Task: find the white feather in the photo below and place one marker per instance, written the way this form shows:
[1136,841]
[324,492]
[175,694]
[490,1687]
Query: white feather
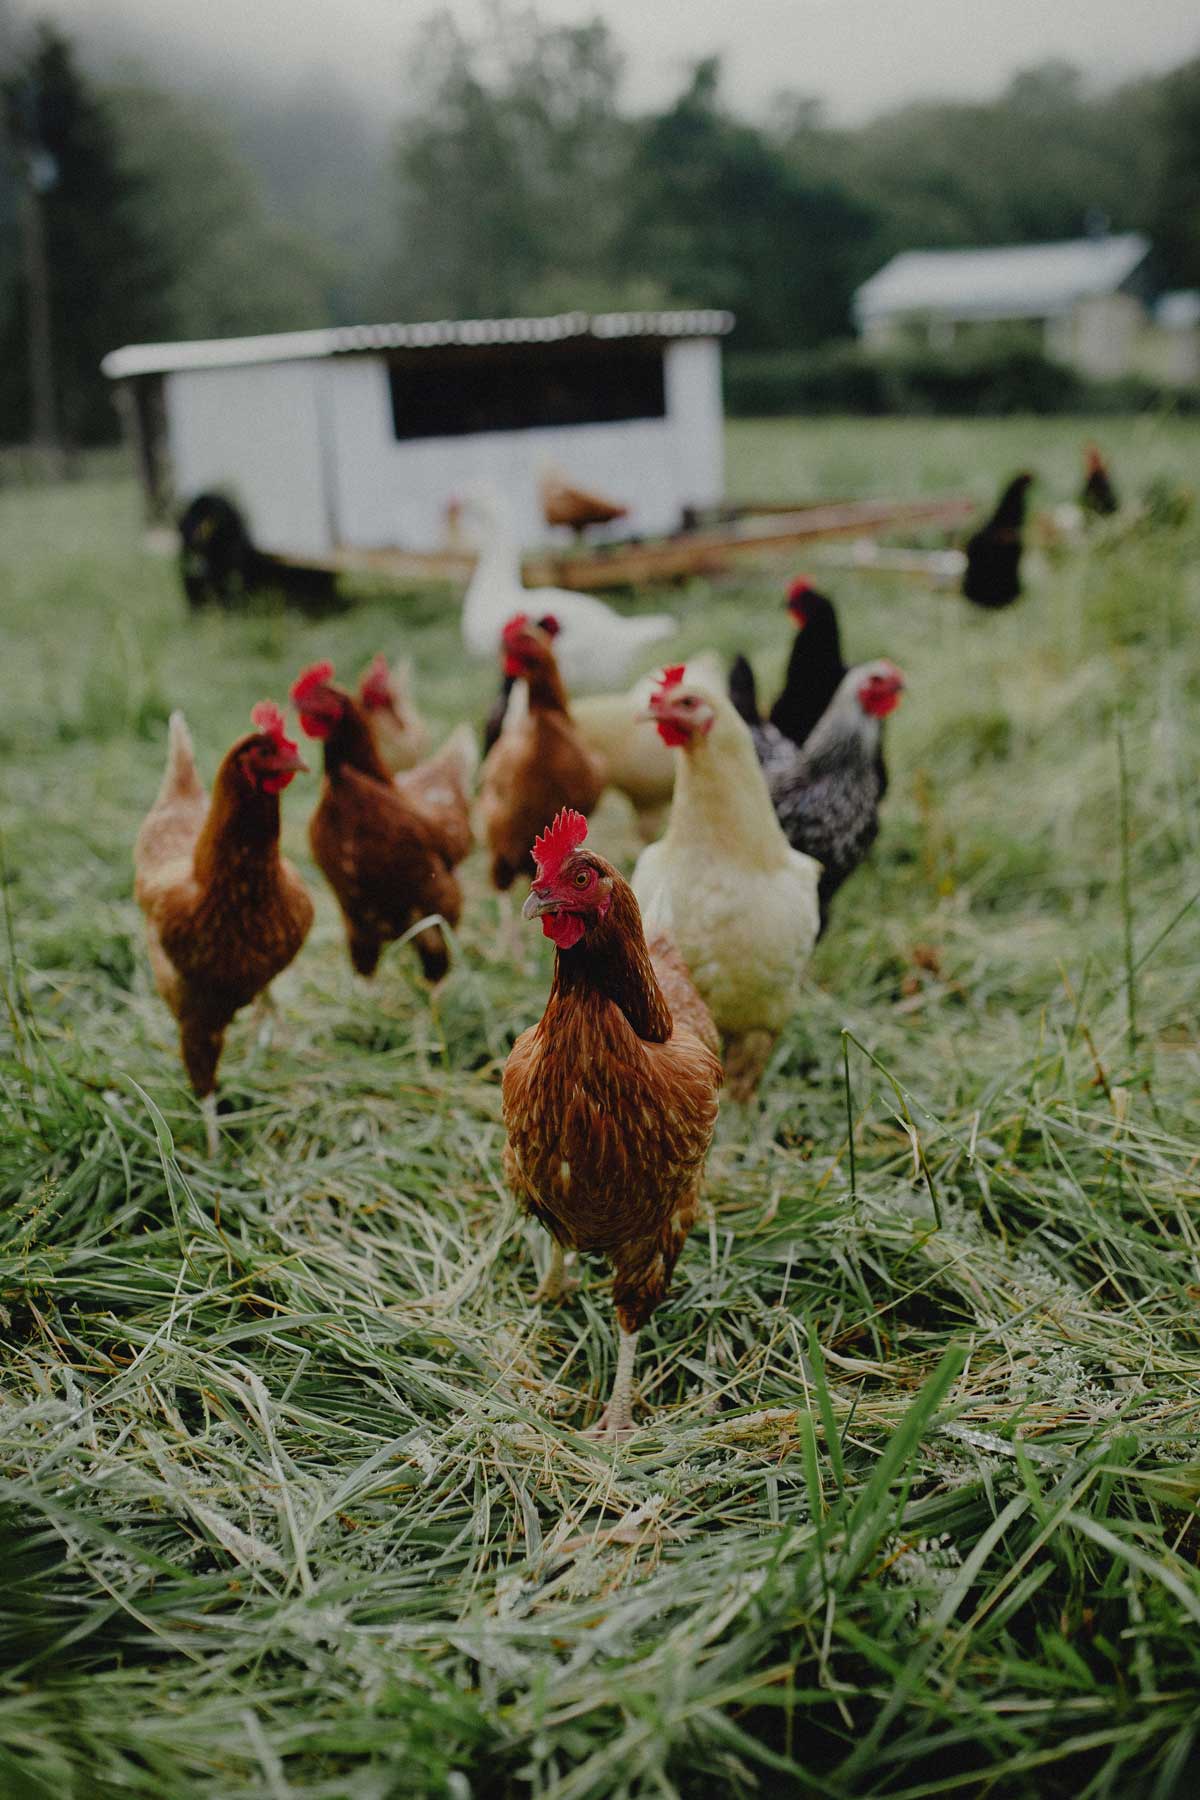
[596,647]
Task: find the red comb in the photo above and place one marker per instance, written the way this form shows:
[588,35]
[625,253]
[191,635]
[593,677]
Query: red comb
[672,675]
[549,624]
[556,843]
[801,586]
[319,675]
[515,627]
[267,716]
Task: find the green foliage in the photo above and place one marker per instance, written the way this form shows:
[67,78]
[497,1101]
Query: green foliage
[990,376]
[292,1496]
[510,183]
[107,273]
[231,268]
[1177,197]
[1026,167]
[720,216]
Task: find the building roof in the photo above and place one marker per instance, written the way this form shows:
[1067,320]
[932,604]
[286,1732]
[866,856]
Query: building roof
[1022,281]
[344,340]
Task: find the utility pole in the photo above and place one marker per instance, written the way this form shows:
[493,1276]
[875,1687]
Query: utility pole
[39,176]
[38,180]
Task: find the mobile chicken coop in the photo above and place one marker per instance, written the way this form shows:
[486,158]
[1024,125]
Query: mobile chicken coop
[346,448]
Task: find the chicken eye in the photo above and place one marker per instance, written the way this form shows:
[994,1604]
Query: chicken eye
[581,878]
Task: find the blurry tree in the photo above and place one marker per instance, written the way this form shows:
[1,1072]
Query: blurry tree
[319,166]
[1176,221]
[1027,167]
[722,215]
[106,274]
[510,169]
[227,268]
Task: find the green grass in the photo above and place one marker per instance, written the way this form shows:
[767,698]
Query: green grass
[293,1500]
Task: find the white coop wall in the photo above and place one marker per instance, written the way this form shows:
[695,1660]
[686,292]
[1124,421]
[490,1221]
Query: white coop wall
[256,434]
[390,493]
[695,412]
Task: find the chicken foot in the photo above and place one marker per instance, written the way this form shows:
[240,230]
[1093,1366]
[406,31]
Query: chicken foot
[560,1278]
[616,1421]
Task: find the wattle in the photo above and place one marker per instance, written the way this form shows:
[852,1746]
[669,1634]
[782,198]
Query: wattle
[671,735]
[563,928]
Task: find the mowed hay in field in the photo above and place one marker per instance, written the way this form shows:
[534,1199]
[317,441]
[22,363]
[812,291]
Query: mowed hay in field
[294,1500]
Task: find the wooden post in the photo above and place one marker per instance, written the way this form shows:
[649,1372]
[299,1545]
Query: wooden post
[44,418]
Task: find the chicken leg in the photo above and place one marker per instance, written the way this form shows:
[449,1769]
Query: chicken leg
[747,1054]
[208,1112]
[616,1421]
[560,1278]
[266,1017]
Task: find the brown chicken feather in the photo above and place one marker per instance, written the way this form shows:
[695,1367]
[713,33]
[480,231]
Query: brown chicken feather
[537,765]
[225,912]
[565,504]
[610,1101]
[388,861]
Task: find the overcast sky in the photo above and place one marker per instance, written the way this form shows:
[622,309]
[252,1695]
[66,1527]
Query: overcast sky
[858,55]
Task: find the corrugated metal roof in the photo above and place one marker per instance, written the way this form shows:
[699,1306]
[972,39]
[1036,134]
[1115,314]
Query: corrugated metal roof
[1022,281]
[345,340]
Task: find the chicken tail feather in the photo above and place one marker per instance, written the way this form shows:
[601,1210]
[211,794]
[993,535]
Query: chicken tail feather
[180,775]
[743,691]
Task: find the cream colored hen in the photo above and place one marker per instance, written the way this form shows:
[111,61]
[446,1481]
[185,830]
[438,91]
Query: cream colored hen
[740,903]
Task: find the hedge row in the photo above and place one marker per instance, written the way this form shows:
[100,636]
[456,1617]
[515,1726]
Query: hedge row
[843,378]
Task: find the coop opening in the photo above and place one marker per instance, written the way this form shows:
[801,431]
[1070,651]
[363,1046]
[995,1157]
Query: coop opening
[454,393]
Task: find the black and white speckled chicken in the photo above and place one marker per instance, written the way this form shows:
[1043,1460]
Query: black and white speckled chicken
[826,794]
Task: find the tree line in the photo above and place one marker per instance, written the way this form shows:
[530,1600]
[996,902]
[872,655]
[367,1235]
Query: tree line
[516,181]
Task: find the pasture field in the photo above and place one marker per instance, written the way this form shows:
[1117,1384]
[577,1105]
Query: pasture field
[293,1497]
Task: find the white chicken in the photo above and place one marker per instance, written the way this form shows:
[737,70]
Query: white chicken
[740,903]
[596,647]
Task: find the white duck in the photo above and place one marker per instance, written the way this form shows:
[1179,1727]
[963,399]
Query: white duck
[596,647]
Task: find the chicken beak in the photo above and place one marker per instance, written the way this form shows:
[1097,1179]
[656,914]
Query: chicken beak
[535,905]
[291,763]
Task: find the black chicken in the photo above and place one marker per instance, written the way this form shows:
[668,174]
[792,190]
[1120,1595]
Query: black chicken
[993,573]
[814,673]
[1098,496]
[826,795]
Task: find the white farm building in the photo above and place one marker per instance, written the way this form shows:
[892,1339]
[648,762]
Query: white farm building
[1085,298]
[358,439]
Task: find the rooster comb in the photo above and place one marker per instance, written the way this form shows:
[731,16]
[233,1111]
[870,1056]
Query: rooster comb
[671,676]
[318,675]
[552,848]
[269,720]
[801,586]
[515,627]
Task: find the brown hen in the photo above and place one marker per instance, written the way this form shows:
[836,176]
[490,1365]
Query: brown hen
[538,764]
[387,848]
[225,913]
[611,1100]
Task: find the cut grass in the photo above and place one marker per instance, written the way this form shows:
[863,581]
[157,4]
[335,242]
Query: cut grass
[294,1501]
